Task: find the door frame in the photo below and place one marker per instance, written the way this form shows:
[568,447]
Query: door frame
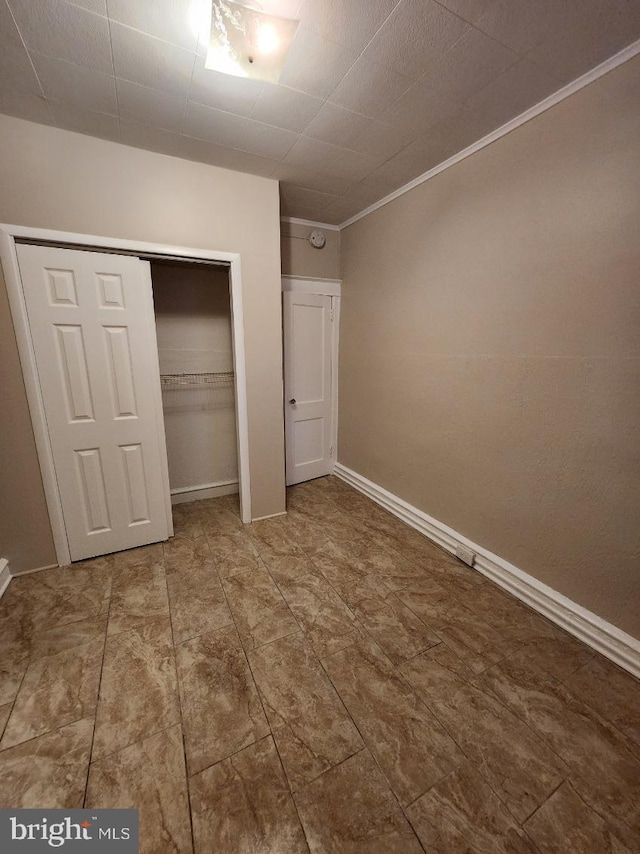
[331,288]
[9,260]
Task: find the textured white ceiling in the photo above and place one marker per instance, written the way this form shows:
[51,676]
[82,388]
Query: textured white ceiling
[374,92]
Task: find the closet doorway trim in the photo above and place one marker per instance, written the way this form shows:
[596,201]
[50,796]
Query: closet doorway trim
[9,260]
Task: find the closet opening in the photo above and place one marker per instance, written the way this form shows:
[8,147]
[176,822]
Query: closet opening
[194,330]
[88,349]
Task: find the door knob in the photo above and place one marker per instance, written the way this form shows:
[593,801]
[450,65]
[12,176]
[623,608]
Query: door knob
[293,400]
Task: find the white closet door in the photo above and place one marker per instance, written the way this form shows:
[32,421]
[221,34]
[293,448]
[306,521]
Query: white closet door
[91,320]
[308,386]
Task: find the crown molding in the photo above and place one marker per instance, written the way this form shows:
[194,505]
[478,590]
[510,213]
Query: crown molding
[571,88]
[293,221]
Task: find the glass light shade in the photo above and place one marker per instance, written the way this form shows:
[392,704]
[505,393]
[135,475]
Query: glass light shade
[247,42]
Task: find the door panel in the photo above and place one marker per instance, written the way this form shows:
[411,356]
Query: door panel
[120,370]
[94,490]
[91,322]
[308,381]
[72,364]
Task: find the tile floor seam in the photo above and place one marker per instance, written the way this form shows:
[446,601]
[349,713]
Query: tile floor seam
[78,688]
[181,724]
[131,743]
[342,703]
[573,769]
[422,794]
[240,571]
[259,693]
[336,693]
[199,635]
[341,700]
[548,798]
[275,640]
[4,726]
[599,808]
[520,718]
[570,675]
[516,714]
[346,710]
[453,739]
[393,594]
[284,599]
[95,711]
[394,794]
[333,767]
[135,625]
[104,758]
[499,796]
[230,755]
[524,723]
[631,746]
[37,657]
[337,592]
[291,792]
[313,652]
[539,737]
[439,634]
[187,788]
[43,734]
[246,658]
[433,711]
[364,749]
[13,703]
[455,771]
[366,741]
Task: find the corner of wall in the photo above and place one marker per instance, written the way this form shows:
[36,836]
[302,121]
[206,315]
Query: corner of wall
[5,575]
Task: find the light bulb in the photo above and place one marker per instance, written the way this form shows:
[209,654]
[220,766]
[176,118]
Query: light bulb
[268,39]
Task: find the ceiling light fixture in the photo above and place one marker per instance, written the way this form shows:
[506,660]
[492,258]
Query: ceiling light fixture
[247,42]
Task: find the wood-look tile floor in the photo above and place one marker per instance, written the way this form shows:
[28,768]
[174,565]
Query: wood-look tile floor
[326,681]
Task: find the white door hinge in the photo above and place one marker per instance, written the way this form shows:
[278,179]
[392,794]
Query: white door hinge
[330,450]
[333,314]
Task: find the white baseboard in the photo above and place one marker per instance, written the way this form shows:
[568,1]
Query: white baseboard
[272,516]
[31,571]
[597,633]
[204,490]
[5,575]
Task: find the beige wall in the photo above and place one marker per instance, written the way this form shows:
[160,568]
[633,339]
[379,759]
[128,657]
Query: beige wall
[25,534]
[299,258]
[490,347]
[60,180]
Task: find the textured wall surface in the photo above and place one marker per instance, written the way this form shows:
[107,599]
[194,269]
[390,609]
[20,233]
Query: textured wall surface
[299,258]
[25,534]
[490,347]
[60,180]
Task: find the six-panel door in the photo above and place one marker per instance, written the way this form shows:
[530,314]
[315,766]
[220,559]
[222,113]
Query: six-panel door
[91,321]
[308,386]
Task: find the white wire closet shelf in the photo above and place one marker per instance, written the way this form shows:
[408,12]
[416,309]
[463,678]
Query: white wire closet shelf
[202,378]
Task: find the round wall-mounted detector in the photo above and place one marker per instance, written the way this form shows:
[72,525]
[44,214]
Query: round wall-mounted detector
[317,239]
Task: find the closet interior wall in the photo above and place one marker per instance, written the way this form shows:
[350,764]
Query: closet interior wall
[194,331]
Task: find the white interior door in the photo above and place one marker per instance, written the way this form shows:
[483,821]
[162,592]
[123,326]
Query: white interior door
[93,334]
[308,385]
